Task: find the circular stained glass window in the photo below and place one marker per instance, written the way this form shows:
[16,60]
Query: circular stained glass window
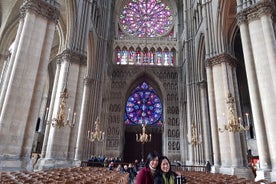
[143,106]
[146,18]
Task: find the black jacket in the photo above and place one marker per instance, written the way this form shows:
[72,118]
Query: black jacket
[158,177]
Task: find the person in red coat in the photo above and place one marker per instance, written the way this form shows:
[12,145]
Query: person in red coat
[146,174]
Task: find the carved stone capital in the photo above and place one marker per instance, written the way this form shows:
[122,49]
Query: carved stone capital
[88,81]
[45,8]
[72,56]
[218,59]
[256,11]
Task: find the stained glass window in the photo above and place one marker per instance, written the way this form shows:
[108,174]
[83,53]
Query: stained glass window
[131,55]
[124,57]
[138,56]
[146,18]
[118,56]
[143,105]
[159,57]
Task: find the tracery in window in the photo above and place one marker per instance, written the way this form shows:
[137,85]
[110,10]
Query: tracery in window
[143,105]
[146,18]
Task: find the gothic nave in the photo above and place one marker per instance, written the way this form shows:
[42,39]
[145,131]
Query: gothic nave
[192,79]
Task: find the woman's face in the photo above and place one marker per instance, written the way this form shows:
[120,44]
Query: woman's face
[154,162]
[165,166]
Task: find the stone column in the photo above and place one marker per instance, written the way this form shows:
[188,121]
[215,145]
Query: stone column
[220,105]
[191,150]
[254,88]
[213,116]
[82,131]
[269,38]
[205,123]
[59,147]
[220,70]
[58,135]
[6,80]
[228,66]
[50,111]
[263,72]
[19,112]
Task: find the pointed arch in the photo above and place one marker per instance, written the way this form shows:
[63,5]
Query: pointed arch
[226,15]
[201,59]
[71,21]
[91,52]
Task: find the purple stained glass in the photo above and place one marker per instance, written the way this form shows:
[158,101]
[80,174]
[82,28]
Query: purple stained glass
[143,105]
[146,18]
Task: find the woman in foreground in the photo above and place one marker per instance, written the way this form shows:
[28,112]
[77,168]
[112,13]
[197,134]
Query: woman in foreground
[146,175]
[164,173]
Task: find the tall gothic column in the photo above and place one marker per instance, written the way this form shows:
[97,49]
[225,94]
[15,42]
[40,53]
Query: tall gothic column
[263,65]
[229,142]
[59,143]
[5,80]
[50,110]
[205,123]
[258,42]
[83,119]
[213,116]
[29,59]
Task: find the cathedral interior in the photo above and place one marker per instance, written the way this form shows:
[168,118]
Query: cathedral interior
[191,79]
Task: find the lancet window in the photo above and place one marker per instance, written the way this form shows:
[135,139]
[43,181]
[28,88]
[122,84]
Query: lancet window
[145,57]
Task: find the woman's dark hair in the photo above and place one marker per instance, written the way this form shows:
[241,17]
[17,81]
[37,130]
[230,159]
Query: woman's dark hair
[151,156]
[160,162]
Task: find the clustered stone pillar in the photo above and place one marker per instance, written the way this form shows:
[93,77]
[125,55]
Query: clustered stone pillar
[57,135]
[82,133]
[213,116]
[259,46]
[50,110]
[220,70]
[28,67]
[58,142]
[205,124]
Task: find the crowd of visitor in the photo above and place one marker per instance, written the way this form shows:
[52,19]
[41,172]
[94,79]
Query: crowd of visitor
[155,170]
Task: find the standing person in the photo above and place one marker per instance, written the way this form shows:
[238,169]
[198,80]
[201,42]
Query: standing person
[141,164]
[131,172]
[136,166]
[146,174]
[164,173]
[208,166]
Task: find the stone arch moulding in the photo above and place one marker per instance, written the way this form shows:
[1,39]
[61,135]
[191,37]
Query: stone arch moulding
[91,52]
[147,77]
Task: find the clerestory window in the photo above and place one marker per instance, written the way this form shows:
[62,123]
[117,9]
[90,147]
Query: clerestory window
[146,34]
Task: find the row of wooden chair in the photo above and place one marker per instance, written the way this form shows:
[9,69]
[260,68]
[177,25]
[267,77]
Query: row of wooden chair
[100,175]
[197,177]
[80,175]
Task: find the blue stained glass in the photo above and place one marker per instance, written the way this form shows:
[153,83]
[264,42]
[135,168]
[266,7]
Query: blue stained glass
[143,105]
